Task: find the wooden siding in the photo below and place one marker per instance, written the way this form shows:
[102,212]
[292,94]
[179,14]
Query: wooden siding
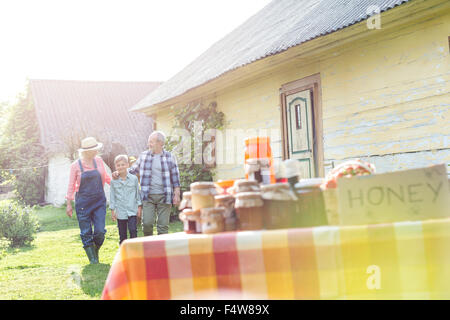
[385,96]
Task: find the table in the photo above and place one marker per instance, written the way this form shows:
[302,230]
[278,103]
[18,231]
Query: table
[403,260]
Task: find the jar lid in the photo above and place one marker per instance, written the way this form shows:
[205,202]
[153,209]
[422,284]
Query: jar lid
[187,195]
[203,185]
[216,210]
[279,168]
[277,191]
[224,197]
[248,199]
[245,183]
[274,186]
[309,183]
[292,168]
[260,161]
[248,195]
[191,212]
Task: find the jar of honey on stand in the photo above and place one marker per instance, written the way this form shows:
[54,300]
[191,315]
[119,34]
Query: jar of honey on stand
[249,210]
[191,221]
[227,202]
[279,205]
[212,220]
[202,195]
[310,204]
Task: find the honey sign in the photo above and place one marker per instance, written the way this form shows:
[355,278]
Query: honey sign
[416,194]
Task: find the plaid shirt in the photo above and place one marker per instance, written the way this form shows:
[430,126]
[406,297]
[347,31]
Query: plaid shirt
[170,174]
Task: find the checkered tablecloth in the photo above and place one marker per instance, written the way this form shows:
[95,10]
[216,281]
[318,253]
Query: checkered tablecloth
[405,260]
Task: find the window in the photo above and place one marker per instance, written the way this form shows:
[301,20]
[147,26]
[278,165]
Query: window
[298,118]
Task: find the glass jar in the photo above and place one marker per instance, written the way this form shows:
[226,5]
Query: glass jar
[310,204]
[186,202]
[244,185]
[203,195]
[258,169]
[292,171]
[231,223]
[249,210]
[212,220]
[191,221]
[227,202]
[279,206]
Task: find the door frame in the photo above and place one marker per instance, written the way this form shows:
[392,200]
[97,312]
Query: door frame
[310,82]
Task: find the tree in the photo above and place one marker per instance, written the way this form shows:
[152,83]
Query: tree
[20,149]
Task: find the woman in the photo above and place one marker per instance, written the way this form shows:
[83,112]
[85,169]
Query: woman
[87,178]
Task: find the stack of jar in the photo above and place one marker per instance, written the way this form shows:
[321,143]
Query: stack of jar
[249,205]
[226,202]
[258,160]
[189,216]
[210,212]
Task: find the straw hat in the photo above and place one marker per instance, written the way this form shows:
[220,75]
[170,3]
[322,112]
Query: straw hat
[90,143]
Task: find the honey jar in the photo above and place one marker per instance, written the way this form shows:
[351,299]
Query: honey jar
[310,204]
[212,220]
[191,221]
[227,202]
[258,169]
[186,202]
[279,206]
[231,223]
[249,210]
[202,195]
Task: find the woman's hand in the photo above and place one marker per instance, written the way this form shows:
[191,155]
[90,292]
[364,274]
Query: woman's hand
[69,210]
[113,215]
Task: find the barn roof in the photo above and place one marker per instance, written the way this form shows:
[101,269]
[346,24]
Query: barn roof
[68,109]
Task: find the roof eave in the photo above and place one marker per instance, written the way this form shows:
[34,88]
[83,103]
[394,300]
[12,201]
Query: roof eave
[391,18]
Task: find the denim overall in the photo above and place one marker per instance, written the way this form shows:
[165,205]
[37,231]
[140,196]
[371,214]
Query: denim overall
[90,206]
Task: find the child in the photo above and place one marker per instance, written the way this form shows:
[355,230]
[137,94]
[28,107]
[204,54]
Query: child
[125,200]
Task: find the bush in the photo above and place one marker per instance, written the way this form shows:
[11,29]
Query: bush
[17,224]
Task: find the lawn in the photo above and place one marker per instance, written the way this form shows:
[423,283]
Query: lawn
[55,266]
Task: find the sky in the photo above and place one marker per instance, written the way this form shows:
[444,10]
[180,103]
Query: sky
[114,40]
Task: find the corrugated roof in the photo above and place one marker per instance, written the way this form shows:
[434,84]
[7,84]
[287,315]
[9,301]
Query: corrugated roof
[280,25]
[92,108]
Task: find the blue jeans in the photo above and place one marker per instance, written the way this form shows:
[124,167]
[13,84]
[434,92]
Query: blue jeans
[88,217]
[132,227]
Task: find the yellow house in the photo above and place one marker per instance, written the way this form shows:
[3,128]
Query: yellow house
[327,81]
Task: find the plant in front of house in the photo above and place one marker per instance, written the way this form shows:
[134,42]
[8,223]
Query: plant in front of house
[186,118]
[18,224]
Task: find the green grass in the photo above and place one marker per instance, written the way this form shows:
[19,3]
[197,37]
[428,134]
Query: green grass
[55,266]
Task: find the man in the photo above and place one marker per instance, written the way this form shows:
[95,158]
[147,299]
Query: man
[160,184]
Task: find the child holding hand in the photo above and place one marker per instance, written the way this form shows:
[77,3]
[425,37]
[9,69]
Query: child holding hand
[125,199]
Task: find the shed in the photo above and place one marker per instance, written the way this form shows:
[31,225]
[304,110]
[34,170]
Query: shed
[68,111]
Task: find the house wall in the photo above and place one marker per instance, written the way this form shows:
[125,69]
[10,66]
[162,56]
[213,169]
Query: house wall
[385,98]
[57,180]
